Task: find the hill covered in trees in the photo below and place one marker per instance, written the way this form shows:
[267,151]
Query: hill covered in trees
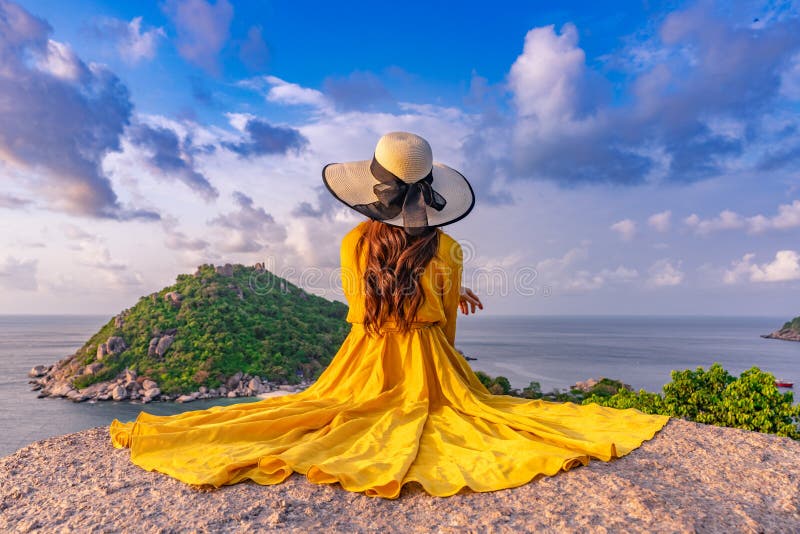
[200,332]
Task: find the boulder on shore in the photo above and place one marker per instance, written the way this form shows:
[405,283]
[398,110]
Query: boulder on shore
[119,393]
[37,371]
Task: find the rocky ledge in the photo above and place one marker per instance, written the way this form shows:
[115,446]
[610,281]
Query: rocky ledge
[128,386]
[689,478]
[786,334]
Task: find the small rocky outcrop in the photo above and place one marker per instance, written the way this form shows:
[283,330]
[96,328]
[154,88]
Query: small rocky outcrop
[601,384]
[113,346]
[163,344]
[127,386]
[224,270]
[119,319]
[93,368]
[38,370]
[786,334]
[174,298]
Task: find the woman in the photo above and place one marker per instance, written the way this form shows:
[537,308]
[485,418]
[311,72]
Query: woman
[398,403]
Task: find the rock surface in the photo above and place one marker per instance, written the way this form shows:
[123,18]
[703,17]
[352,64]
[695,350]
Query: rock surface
[688,478]
[127,386]
[787,334]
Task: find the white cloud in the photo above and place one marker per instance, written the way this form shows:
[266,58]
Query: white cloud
[239,120]
[284,92]
[61,62]
[545,77]
[568,278]
[249,229]
[726,220]
[75,232]
[660,221]
[785,267]
[585,280]
[788,217]
[626,228]
[203,29]
[176,240]
[135,45]
[95,257]
[18,274]
[665,272]
[790,79]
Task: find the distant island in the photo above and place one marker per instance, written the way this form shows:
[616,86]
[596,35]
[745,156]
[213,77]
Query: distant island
[224,331]
[790,331]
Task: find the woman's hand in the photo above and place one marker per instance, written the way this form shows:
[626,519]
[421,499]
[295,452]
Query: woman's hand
[469,301]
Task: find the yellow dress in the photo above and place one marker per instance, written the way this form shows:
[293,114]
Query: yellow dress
[389,409]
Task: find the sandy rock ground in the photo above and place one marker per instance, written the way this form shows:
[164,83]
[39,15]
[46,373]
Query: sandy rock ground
[688,478]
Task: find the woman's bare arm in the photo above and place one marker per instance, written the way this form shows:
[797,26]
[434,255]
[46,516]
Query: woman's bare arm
[469,301]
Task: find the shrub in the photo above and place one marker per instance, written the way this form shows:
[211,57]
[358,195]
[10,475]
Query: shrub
[532,391]
[751,401]
[498,385]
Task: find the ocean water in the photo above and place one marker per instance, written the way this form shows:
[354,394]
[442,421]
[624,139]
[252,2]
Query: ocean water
[555,351]
[639,350]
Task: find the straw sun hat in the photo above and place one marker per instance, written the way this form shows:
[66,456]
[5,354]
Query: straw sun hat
[402,185]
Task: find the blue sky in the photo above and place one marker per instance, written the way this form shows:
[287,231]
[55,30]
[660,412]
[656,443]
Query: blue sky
[639,157]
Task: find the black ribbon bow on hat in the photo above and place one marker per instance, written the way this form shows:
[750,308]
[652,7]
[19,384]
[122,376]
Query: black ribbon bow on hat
[396,196]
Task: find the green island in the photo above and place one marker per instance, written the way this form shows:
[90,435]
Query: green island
[218,324]
[790,331]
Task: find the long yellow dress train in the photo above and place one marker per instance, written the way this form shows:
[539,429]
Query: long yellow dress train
[389,409]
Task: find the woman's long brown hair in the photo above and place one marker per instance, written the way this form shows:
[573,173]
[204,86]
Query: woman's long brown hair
[395,261]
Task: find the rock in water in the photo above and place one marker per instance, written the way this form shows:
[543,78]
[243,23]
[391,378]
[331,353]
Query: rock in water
[61,389]
[37,371]
[119,393]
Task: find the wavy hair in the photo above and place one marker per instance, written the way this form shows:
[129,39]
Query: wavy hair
[395,262]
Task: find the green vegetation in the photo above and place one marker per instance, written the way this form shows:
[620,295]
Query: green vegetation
[230,319]
[500,385]
[751,401]
[794,324]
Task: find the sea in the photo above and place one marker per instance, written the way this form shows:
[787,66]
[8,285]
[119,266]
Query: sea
[556,351]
